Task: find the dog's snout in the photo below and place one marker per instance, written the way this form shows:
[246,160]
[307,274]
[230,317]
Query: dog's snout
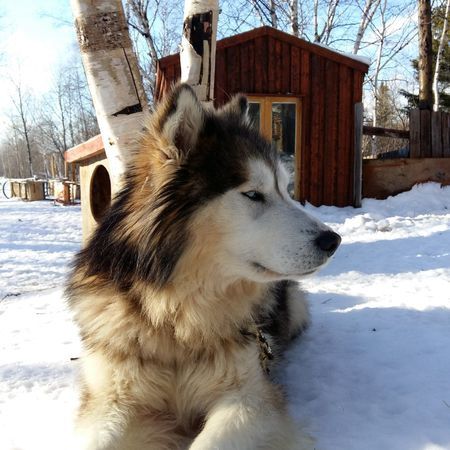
[328,241]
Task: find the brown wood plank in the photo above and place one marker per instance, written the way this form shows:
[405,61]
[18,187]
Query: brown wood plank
[317,129]
[425,134]
[436,134]
[272,69]
[331,132]
[358,80]
[261,62]
[345,160]
[278,66]
[446,135]
[245,67]
[295,71]
[285,68]
[92,147]
[220,86]
[233,68]
[414,133]
[170,74]
[305,76]
[251,65]
[385,132]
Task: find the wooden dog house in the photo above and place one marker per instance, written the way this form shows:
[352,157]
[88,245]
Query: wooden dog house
[303,98]
[95,181]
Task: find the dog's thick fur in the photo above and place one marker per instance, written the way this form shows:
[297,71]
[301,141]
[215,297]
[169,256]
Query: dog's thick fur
[191,259]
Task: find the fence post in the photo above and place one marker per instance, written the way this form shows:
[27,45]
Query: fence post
[414,133]
[446,135]
[436,134]
[357,162]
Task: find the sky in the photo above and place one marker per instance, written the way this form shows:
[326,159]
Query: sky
[35,36]
[38,35]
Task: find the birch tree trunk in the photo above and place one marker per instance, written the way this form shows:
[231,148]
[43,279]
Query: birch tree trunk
[198,46]
[425,55]
[293,4]
[113,77]
[442,43]
[366,19]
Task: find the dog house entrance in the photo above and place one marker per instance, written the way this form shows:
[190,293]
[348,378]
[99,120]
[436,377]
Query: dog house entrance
[100,192]
[278,119]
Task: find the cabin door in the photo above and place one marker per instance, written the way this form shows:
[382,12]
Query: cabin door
[278,119]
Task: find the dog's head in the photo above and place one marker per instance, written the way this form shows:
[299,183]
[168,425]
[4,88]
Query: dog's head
[207,194]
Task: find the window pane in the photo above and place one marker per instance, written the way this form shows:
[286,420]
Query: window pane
[254,111]
[283,127]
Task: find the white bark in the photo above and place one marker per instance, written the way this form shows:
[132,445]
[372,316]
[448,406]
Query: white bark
[382,37]
[294,16]
[113,77]
[442,43]
[197,69]
[366,18]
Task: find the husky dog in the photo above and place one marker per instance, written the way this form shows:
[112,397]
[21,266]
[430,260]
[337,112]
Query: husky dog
[186,290]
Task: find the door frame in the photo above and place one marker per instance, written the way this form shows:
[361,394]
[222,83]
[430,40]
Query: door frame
[266,126]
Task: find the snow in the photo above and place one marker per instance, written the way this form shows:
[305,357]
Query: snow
[360,58]
[371,373]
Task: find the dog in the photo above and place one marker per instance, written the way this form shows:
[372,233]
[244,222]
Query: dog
[186,293]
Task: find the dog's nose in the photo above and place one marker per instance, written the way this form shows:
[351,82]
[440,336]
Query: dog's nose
[328,241]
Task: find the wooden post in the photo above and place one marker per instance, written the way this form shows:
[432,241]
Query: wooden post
[198,46]
[357,162]
[113,77]
[414,133]
[425,55]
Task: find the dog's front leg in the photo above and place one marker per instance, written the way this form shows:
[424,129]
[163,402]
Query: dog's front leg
[242,421]
[101,425]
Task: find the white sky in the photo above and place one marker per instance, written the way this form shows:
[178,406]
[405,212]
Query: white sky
[35,36]
[38,35]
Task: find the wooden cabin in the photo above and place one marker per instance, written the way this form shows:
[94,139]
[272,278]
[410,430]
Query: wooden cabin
[302,97]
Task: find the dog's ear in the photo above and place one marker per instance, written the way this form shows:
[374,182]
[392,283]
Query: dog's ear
[180,118]
[237,107]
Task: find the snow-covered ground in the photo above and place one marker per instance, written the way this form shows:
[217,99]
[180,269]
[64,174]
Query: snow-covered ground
[372,372]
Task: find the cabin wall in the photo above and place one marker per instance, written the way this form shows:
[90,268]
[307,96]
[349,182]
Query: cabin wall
[328,88]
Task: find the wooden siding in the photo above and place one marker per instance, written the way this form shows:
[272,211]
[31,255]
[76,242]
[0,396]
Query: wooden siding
[266,61]
[429,134]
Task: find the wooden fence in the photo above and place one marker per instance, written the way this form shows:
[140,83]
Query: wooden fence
[429,134]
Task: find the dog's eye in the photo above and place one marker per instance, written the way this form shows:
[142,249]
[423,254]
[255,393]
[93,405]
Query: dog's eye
[254,196]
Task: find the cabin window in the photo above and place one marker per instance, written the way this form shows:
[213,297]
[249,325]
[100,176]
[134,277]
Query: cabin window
[254,111]
[278,120]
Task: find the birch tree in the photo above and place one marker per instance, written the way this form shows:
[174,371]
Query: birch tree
[367,14]
[198,46]
[442,43]
[116,89]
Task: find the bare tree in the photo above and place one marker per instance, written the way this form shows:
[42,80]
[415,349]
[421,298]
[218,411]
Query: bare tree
[19,100]
[367,13]
[442,43]
[425,55]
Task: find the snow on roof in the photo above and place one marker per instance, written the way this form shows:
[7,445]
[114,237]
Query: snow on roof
[360,58]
